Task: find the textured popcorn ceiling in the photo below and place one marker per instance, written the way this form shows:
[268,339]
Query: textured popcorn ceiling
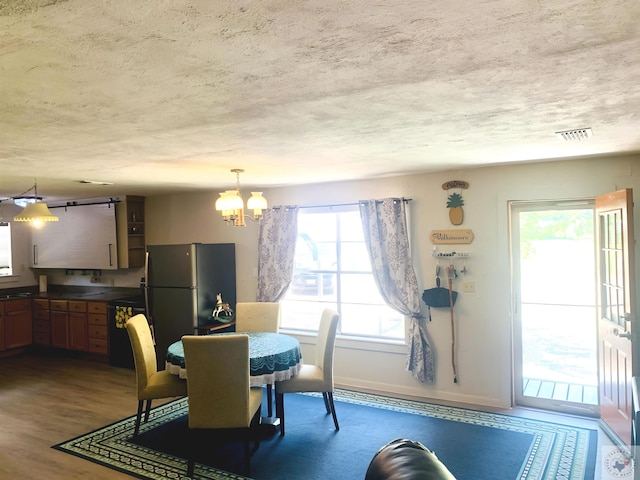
[168,95]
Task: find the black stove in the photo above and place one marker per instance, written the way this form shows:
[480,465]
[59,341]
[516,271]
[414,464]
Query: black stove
[120,310]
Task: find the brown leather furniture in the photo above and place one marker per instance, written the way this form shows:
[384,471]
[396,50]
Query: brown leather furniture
[404,459]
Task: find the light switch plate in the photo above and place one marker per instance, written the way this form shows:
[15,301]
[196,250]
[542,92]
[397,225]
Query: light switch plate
[469,287]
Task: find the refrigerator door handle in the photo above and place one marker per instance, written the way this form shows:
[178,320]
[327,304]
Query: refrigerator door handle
[146,296]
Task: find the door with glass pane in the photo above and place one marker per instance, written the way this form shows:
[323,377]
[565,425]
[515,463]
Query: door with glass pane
[616,316]
[554,306]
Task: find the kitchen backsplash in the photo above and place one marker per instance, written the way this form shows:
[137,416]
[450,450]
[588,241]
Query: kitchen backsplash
[111,278]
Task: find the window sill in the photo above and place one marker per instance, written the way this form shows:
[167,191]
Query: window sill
[353,343]
[373,345]
[9,278]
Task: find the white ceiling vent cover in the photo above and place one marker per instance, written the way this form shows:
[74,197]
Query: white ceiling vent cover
[575,135]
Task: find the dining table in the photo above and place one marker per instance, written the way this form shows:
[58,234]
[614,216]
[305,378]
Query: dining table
[273,357]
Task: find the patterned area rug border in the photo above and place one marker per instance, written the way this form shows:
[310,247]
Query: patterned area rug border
[558,452]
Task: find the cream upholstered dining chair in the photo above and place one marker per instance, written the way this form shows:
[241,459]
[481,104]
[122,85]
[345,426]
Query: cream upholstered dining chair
[317,377]
[152,384]
[259,317]
[220,396]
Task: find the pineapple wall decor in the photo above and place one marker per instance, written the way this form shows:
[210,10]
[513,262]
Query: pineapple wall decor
[455,201]
[454,204]
[456,216]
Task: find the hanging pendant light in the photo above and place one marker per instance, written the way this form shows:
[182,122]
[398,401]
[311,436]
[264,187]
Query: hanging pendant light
[257,203]
[231,205]
[37,212]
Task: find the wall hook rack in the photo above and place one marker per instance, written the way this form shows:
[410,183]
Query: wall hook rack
[450,254]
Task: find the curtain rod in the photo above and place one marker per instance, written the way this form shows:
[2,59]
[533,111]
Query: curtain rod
[405,200]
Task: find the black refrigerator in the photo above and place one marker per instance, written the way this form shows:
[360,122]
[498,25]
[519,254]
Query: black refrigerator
[182,282]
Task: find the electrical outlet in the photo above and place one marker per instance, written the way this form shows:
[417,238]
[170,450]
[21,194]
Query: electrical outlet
[469,287]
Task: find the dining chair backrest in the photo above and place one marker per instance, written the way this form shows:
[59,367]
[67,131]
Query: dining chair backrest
[317,377]
[144,351]
[218,381]
[326,342]
[152,383]
[258,317]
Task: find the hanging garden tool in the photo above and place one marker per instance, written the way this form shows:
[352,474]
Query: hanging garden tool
[451,274]
[438,297]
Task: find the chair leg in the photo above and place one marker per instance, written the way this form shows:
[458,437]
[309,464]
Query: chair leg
[254,430]
[269,399]
[325,397]
[280,411]
[147,410]
[138,418]
[333,410]
[190,467]
[247,457]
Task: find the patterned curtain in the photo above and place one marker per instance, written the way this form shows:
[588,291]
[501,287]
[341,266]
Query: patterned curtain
[276,248]
[385,231]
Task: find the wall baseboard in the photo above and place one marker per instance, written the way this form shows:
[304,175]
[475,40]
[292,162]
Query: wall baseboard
[418,394]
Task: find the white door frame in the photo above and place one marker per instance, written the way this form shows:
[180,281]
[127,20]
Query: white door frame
[515,207]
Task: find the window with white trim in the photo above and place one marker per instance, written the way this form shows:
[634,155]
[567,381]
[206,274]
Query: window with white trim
[5,249]
[332,269]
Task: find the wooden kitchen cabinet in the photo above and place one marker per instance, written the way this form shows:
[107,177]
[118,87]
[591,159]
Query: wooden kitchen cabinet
[84,237]
[98,328]
[78,327]
[41,322]
[17,323]
[59,317]
[71,325]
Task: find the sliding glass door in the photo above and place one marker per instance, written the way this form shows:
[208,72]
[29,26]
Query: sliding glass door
[554,306]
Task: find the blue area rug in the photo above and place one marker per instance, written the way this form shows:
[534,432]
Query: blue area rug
[474,445]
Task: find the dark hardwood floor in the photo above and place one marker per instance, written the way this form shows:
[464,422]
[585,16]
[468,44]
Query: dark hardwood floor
[45,400]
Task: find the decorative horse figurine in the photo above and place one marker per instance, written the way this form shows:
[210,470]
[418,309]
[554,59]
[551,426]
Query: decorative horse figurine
[222,309]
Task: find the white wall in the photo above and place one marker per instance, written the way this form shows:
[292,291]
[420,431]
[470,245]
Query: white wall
[190,217]
[483,318]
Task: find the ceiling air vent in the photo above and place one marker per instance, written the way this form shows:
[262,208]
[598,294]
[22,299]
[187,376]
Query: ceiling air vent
[575,135]
[94,182]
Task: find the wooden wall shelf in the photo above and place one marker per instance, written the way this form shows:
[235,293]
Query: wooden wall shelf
[131,240]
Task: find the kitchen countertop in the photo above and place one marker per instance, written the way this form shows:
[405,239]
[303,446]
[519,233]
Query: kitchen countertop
[61,292]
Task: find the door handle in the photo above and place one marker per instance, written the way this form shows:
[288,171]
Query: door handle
[622,335]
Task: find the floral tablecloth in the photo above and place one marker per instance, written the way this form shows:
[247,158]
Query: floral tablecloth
[272,357]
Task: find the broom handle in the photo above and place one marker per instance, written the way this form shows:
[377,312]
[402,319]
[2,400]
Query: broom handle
[453,332]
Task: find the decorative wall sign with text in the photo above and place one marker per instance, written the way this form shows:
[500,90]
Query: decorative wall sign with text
[451,237]
[455,201]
